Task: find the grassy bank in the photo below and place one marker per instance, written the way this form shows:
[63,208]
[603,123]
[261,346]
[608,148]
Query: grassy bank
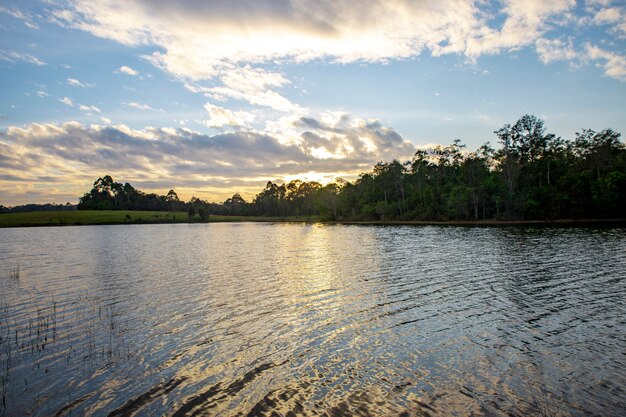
[93,217]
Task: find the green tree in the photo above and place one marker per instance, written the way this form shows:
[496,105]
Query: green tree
[203,212]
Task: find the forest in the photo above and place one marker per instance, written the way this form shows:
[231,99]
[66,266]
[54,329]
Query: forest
[533,175]
[38,207]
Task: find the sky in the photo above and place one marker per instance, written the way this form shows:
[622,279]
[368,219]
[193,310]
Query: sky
[211,98]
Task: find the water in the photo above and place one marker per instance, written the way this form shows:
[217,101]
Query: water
[288,319]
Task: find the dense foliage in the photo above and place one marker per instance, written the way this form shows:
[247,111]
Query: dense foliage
[534,175]
[107,194]
[38,207]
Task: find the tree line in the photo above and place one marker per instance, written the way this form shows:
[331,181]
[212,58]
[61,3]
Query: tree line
[38,207]
[534,175]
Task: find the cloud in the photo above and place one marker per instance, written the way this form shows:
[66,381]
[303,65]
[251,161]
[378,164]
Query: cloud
[253,85]
[128,70]
[75,83]
[67,101]
[607,16]
[525,22]
[105,120]
[221,117]
[42,94]
[614,64]
[339,136]
[299,31]
[225,50]
[27,18]
[610,16]
[556,50]
[242,161]
[12,56]
[303,31]
[140,106]
[89,108]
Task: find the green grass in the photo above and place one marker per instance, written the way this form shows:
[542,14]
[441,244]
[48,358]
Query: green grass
[90,217]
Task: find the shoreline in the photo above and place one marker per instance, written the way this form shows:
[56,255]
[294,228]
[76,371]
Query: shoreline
[558,222]
[111,217]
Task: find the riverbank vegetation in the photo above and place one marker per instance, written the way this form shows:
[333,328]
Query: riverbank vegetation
[534,175]
[38,207]
[95,217]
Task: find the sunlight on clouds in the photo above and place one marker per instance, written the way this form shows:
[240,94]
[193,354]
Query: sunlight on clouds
[321,177]
[230,53]
[251,85]
[226,50]
[221,117]
[323,153]
[299,31]
[74,154]
[302,31]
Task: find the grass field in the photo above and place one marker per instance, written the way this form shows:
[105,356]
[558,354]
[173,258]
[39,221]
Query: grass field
[92,217]
[87,217]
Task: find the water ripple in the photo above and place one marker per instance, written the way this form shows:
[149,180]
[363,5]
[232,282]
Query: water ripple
[312,320]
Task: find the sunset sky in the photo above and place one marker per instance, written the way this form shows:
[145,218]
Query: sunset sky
[216,97]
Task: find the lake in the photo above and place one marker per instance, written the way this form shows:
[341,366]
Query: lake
[298,319]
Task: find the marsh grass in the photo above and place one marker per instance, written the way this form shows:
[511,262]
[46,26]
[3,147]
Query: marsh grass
[83,331]
[14,274]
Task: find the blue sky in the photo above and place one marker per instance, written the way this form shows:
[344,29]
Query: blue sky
[217,97]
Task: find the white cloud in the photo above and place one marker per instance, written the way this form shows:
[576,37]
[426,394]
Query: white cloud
[220,117]
[140,106]
[12,56]
[128,70]
[556,50]
[105,120]
[607,16]
[76,83]
[42,94]
[27,18]
[68,154]
[304,31]
[598,2]
[525,22]
[67,101]
[89,108]
[614,64]
[223,49]
[611,15]
[253,85]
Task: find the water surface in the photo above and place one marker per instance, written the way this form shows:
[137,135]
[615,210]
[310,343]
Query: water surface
[289,319]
